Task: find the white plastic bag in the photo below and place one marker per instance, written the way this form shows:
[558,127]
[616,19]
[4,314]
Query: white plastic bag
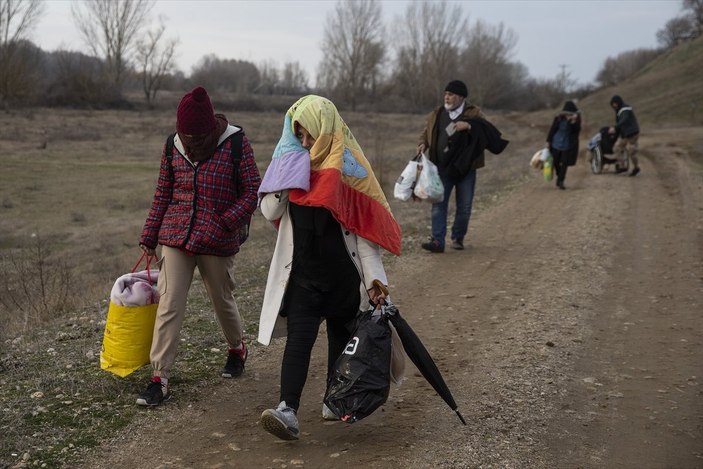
[536,161]
[405,184]
[429,186]
[546,155]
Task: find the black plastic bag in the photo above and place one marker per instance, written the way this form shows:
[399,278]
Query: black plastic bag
[361,380]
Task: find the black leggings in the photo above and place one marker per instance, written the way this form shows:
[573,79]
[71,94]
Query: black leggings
[560,164]
[306,306]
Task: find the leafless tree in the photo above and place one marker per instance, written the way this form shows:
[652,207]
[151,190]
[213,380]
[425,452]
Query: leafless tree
[429,38]
[17,18]
[238,76]
[77,81]
[485,62]
[674,31]
[17,61]
[154,56]
[694,9]
[110,28]
[35,285]
[291,79]
[269,78]
[294,79]
[353,48]
[617,69]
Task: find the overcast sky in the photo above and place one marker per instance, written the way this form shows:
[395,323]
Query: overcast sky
[551,33]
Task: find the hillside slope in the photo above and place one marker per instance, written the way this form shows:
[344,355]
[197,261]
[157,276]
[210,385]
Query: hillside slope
[667,92]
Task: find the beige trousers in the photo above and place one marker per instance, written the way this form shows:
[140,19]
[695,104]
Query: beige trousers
[624,148]
[175,277]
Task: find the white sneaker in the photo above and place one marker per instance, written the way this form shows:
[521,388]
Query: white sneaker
[327,413]
[281,422]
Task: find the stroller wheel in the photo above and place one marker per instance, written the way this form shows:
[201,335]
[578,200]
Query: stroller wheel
[596,160]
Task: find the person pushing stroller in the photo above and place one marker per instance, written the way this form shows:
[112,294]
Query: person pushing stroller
[628,131]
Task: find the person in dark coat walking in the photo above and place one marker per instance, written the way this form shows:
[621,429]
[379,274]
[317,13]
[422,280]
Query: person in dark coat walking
[563,140]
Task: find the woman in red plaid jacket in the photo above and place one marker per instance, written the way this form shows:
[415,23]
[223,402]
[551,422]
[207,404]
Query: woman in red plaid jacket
[200,215]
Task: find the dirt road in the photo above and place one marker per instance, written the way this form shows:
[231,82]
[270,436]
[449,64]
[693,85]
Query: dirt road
[570,332]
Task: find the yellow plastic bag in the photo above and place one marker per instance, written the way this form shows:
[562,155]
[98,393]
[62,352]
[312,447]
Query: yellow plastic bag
[548,168]
[127,339]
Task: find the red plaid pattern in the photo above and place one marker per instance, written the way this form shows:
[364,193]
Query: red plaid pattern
[196,207]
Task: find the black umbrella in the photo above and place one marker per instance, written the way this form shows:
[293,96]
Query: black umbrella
[420,356]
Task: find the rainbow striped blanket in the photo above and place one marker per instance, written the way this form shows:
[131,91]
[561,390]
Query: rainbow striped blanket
[333,174]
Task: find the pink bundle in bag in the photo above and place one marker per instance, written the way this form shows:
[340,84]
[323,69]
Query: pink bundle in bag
[136,289]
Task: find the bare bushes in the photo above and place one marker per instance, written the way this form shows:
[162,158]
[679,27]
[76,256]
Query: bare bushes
[617,69]
[33,287]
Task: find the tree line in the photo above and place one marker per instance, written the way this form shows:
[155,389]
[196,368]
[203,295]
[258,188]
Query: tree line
[367,65]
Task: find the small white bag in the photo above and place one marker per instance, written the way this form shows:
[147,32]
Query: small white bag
[429,186]
[405,184]
[546,154]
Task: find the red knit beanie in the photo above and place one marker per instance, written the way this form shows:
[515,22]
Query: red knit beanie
[195,115]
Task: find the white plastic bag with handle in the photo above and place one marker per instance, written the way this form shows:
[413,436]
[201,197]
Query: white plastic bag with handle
[536,161]
[429,186]
[405,184]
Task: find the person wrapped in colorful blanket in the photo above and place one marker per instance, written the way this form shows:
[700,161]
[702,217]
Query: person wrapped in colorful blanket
[332,219]
[204,199]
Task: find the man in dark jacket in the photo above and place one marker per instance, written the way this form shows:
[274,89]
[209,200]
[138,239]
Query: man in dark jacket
[628,131]
[455,136]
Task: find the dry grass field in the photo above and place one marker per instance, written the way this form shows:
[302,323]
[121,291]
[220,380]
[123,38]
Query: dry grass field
[78,184]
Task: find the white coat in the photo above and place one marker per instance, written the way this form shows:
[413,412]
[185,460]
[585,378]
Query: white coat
[365,255]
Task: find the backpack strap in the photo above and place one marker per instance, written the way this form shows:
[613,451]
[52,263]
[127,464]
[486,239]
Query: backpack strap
[169,152]
[169,145]
[237,142]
